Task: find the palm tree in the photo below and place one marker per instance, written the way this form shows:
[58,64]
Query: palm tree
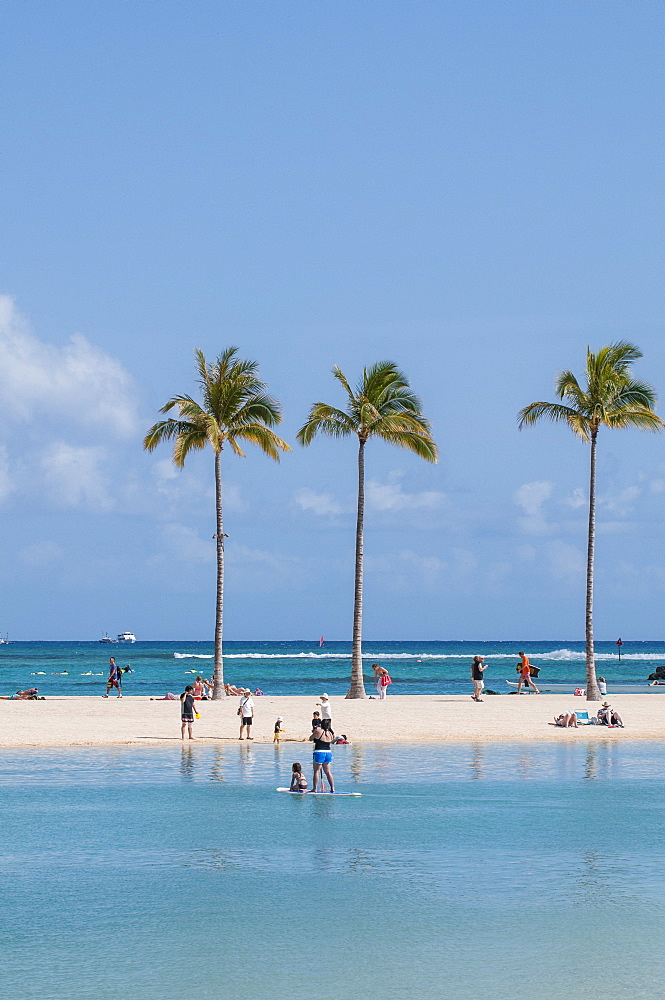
[235,407]
[611,398]
[382,406]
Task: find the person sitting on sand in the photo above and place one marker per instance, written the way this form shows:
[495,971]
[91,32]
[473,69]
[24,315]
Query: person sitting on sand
[298,779]
[199,689]
[340,739]
[608,716]
[602,685]
[566,720]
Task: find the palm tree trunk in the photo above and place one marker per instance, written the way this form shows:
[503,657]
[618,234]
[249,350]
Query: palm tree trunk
[357,689]
[592,692]
[218,690]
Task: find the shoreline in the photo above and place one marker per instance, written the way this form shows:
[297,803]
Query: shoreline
[71,721]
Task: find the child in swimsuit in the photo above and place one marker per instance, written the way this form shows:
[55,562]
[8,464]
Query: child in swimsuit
[298,779]
[278,729]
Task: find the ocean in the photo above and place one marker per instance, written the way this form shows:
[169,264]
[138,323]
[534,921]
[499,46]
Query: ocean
[302,667]
[481,871]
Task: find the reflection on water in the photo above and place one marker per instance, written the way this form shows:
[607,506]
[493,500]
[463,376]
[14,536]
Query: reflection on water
[477,760]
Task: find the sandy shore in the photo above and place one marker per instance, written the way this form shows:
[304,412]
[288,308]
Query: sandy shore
[100,722]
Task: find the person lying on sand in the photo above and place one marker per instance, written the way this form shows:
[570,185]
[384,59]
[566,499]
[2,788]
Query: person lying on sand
[566,720]
[32,694]
[231,690]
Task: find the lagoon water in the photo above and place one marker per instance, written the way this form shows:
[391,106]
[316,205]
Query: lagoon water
[481,871]
[301,667]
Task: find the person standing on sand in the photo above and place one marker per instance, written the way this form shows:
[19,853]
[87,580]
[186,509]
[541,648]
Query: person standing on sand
[326,717]
[187,713]
[113,681]
[381,681]
[477,670]
[246,713]
[525,674]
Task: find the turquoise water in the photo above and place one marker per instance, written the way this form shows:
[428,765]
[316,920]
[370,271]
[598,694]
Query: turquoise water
[301,667]
[475,871]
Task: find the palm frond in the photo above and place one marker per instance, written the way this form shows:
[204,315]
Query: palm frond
[535,412]
[421,444]
[327,420]
[264,438]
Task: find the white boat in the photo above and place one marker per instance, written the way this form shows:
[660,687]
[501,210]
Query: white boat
[126,637]
[107,638]
[5,640]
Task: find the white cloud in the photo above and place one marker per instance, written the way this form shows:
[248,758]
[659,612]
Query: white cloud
[621,503]
[41,554]
[78,381]
[186,545]
[657,486]
[391,497]
[531,497]
[323,504]
[576,499]
[566,562]
[6,482]
[74,476]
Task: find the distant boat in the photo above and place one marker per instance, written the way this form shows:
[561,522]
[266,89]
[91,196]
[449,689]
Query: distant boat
[126,637]
[107,638]
[5,640]
[321,641]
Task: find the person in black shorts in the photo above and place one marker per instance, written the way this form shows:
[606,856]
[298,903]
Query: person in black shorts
[187,713]
[478,668]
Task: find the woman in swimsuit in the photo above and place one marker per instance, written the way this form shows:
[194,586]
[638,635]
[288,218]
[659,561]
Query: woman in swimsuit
[322,756]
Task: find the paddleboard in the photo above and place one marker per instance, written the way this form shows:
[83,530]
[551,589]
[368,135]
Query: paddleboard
[336,794]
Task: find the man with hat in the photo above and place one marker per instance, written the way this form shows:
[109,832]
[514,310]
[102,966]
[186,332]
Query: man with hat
[326,717]
[246,713]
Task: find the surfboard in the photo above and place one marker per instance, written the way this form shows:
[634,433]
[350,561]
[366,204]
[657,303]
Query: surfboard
[355,795]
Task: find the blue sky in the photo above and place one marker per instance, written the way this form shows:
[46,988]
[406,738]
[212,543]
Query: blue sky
[473,190]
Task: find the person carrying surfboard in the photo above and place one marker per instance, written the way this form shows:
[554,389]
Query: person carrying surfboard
[524,668]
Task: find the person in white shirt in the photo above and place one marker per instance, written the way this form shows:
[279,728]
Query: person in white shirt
[326,717]
[246,713]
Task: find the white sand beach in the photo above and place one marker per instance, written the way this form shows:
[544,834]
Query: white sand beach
[137,720]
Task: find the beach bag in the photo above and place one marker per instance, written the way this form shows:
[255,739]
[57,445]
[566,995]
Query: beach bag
[579,692]
[385,680]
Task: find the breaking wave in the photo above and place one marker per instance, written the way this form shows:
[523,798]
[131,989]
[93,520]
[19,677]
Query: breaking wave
[561,655]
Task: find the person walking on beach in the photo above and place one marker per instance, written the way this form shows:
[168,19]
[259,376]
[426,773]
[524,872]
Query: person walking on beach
[187,713]
[278,729]
[322,756]
[477,670]
[246,713]
[113,679]
[524,668]
[381,680]
[326,716]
